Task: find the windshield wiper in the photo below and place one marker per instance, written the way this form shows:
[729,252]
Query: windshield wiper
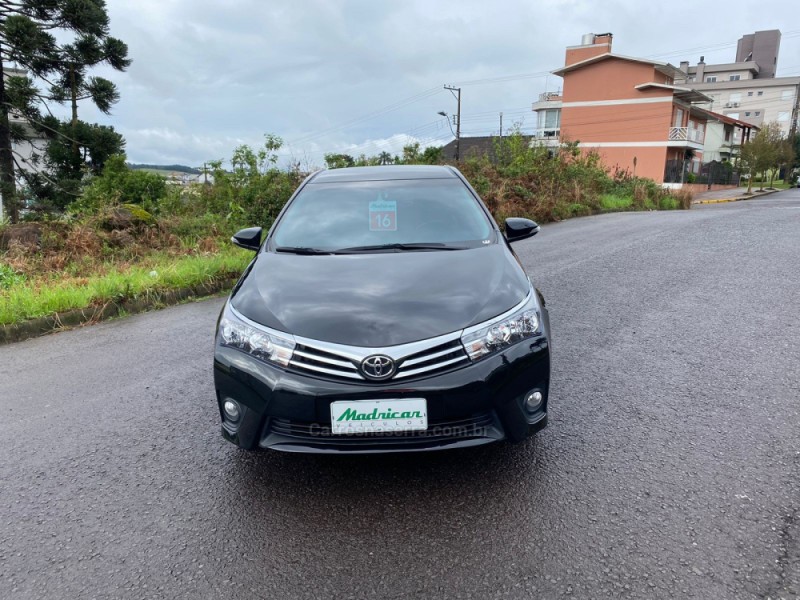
[301,250]
[411,246]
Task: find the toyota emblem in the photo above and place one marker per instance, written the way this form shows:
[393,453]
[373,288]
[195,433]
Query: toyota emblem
[377,366]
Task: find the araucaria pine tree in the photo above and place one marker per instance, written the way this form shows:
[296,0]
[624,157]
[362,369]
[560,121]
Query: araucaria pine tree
[38,69]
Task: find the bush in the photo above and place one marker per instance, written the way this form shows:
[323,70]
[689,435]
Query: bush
[668,203]
[613,203]
[121,185]
[255,190]
[534,182]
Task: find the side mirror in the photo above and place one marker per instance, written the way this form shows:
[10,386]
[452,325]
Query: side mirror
[249,239]
[520,229]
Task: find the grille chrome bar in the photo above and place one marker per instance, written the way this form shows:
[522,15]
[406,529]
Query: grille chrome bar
[434,367]
[336,373]
[325,359]
[414,361]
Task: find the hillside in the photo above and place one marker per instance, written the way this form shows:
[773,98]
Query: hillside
[165,169]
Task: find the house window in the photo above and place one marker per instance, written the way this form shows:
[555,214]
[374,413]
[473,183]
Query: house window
[747,114]
[749,93]
[734,78]
[783,116]
[732,115]
[711,79]
[549,119]
[758,113]
[727,135]
[760,93]
[786,95]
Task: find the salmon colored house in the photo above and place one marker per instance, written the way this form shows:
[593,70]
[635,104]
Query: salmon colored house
[626,109]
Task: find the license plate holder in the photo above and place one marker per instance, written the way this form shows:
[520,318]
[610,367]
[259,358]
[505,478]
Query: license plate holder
[352,417]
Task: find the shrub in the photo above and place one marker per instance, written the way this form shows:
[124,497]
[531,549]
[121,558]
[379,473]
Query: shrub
[120,184]
[255,190]
[668,203]
[612,202]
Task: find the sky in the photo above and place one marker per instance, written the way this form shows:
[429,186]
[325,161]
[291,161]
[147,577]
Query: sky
[359,76]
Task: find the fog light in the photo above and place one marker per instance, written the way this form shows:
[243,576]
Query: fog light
[533,401]
[231,410]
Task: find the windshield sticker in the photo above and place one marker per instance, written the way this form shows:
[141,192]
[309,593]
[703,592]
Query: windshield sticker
[383,215]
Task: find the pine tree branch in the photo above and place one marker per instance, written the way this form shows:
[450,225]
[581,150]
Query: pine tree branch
[66,137]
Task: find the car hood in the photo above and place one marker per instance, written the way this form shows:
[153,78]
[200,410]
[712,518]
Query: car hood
[380,299]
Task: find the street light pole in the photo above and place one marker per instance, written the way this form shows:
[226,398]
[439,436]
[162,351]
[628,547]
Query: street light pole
[458,117]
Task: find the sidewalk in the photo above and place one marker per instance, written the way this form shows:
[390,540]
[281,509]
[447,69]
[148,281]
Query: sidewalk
[732,195]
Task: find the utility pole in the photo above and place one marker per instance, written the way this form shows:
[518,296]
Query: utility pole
[501,124]
[458,117]
[795,113]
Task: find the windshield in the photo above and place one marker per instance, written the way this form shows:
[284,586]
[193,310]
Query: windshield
[398,215]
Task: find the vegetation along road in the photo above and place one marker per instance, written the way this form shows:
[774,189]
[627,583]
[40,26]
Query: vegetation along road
[670,469]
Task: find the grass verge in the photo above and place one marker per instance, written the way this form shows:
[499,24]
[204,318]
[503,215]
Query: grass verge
[614,203]
[161,272]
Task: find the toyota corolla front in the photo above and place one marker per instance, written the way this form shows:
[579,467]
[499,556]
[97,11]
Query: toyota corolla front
[385,311]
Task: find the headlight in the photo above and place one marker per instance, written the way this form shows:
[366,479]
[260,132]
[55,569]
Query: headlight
[500,333]
[235,331]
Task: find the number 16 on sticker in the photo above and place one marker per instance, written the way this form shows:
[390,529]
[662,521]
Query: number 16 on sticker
[383,215]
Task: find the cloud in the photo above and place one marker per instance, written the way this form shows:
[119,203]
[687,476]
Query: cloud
[207,75]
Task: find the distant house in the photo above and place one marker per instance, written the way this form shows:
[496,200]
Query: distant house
[473,147]
[724,136]
[630,111]
[25,151]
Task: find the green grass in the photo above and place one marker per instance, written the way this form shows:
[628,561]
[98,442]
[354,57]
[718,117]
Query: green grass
[669,204]
[780,184]
[29,300]
[613,203]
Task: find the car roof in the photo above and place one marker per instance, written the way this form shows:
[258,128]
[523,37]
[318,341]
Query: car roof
[384,173]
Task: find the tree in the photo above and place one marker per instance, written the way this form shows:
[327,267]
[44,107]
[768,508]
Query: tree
[770,151]
[339,161]
[411,154]
[27,39]
[432,155]
[758,155]
[59,182]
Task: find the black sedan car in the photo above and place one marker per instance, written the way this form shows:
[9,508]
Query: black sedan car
[384,312]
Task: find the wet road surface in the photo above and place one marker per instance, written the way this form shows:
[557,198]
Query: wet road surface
[670,468]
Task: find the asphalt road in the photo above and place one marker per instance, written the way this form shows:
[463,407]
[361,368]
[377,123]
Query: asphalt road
[670,468]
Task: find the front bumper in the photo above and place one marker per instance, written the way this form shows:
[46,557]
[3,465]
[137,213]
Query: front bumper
[476,404]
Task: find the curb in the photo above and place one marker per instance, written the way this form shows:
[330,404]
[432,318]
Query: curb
[736,198]
[17,332]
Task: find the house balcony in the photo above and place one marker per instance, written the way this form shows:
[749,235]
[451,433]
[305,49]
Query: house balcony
[686,134]
[550,96]
[548,100]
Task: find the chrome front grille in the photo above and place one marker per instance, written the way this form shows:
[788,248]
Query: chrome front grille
[335,361]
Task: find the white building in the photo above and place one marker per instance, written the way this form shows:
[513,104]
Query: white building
[747,89]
